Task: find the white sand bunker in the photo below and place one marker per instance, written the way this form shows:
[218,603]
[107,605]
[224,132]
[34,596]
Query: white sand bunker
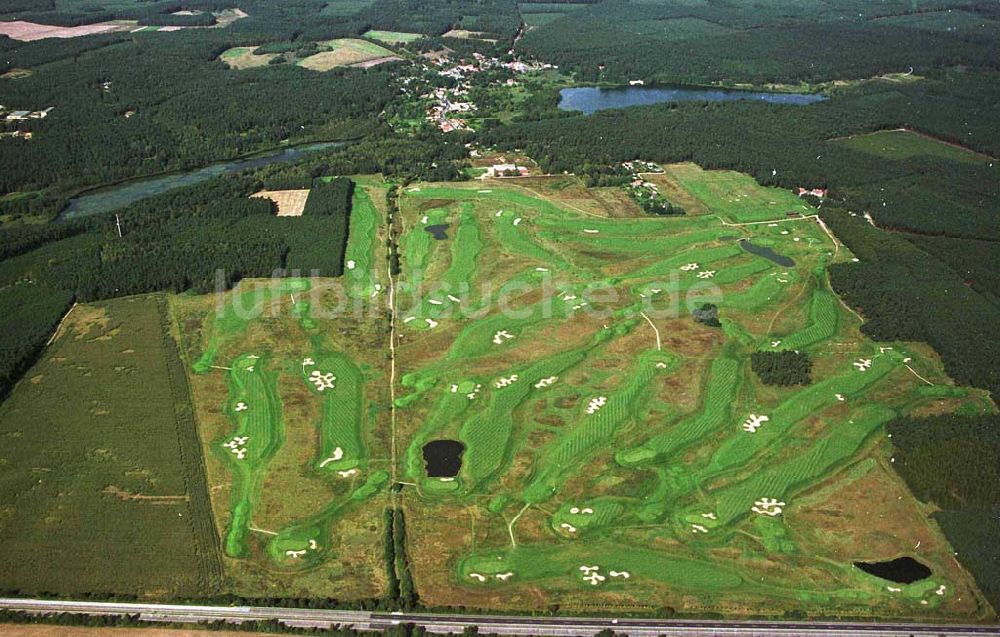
[839,397]
[431,323]
[238,446]
[862,364]
[295,554]
[472,394]
[454,299]
[775,343]
[348,473]
[706,274]
[517,221]
[568,527]
[477,577]
[591,231]
[541,269]
[313,545]
[545,382]
[583,511]
[505,382]
[424,220]
[596,403]
[940,590]
[690,267]
[622,574]
[754,422]
[591,575]
[241,407]
[893,589]
[501,336]
[697,528]
[503,577]
[661,365]
[322,381]
[338,453]
[351,265]
[768,506]
[434,302]
[306,362]
[499,213]
[708,516]
[568,297]
[409,318]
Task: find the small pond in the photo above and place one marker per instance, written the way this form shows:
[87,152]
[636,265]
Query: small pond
[590,99]
[767,253]
[443,458]
[902,570]
[438,230]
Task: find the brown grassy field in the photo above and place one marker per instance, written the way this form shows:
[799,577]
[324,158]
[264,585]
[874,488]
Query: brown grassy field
[243,57]
[31,31]
[290,203]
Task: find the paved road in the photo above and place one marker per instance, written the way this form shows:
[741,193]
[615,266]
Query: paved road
[499,624]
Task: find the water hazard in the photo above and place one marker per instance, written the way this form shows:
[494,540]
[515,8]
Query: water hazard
[767,253]
[590,99]
[438,230]
[902,570]
[443,458]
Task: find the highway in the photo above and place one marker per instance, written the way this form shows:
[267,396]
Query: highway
[495,624]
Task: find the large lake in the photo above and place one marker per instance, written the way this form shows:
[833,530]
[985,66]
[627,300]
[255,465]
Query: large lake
[112,197]
[589,99]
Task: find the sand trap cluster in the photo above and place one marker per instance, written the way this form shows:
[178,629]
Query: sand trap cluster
[501,336]
[583,511]
[241,407]
[505,382]
[706,274]
[591,575]
[754,422]
[690,267]
[545,382]
[306,362]
[471,395]
[862,364]
[238,446]
[768,506]
[698,528]
[338,453]
[568,527]
[579,305]
[322,381]
[568,297]
[295,554]
[351,265]
[596,403]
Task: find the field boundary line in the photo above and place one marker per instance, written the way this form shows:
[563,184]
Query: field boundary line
[61,326]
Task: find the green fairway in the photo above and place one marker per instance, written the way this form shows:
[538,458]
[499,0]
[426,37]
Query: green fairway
[393,37]
[599,420]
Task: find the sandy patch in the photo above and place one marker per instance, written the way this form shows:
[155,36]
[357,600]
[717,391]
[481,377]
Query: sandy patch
[31,31]
[290,203]
[463,34]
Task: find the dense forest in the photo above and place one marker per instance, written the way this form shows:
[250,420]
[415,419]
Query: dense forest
[782,368]
[775,42]
[953,462]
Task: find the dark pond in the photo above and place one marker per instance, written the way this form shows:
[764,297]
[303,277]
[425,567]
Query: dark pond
[767,253]
[443,458]
[105,199]
[439,230]
[589,99]
[902,570]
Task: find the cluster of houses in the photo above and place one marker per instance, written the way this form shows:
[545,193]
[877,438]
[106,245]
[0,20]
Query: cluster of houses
[641,187]
[815,192]
[450,105]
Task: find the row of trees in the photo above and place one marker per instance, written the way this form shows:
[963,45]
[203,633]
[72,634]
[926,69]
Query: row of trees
[402,593]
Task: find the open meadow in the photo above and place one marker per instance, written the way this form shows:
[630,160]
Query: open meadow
[575,438]
[103,480]
[344,52]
